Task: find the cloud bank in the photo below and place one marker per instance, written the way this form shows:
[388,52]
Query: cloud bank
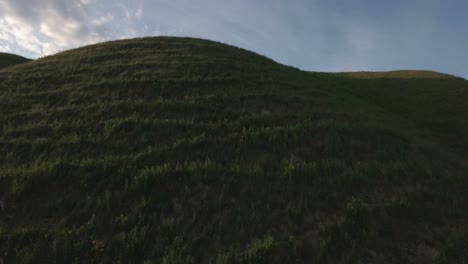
[45,27]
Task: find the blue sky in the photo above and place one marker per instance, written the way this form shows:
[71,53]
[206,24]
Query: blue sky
[316,35]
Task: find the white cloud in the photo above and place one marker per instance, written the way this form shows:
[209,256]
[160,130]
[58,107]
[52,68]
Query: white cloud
[16,32]
[86,2]
[102,20]
[139,12]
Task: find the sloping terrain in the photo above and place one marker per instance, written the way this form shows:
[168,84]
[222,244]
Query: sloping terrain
[7,59]
[437,105]
[178,150]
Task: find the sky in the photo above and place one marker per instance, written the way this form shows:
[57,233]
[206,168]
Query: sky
[314,35]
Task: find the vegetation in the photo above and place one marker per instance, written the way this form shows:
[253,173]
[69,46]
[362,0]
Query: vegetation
[179,150]
[7,59]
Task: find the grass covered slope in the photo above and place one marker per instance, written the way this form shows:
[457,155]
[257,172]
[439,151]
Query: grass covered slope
[7,59]
[177,150]
[437,105]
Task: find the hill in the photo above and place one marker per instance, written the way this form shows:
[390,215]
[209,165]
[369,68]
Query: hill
[402,74]
[7,59]
[179,150]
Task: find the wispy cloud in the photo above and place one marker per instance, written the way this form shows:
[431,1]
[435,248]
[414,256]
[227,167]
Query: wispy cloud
[139,12]
[102,20]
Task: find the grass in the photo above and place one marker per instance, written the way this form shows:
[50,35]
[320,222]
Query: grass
[180,150]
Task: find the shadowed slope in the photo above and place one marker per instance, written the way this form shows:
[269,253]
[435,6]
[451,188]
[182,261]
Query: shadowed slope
[7,59]
[437,105]
[179,150]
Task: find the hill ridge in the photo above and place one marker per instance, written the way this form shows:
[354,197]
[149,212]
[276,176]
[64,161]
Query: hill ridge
[406,74]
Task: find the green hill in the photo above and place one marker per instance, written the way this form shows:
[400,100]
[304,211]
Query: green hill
[7,59]
[179,150]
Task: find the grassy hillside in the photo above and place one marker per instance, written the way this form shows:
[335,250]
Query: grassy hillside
[7,59]
[178,150]
[438,106]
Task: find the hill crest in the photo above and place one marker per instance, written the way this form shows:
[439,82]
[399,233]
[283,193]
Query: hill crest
[126,43]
